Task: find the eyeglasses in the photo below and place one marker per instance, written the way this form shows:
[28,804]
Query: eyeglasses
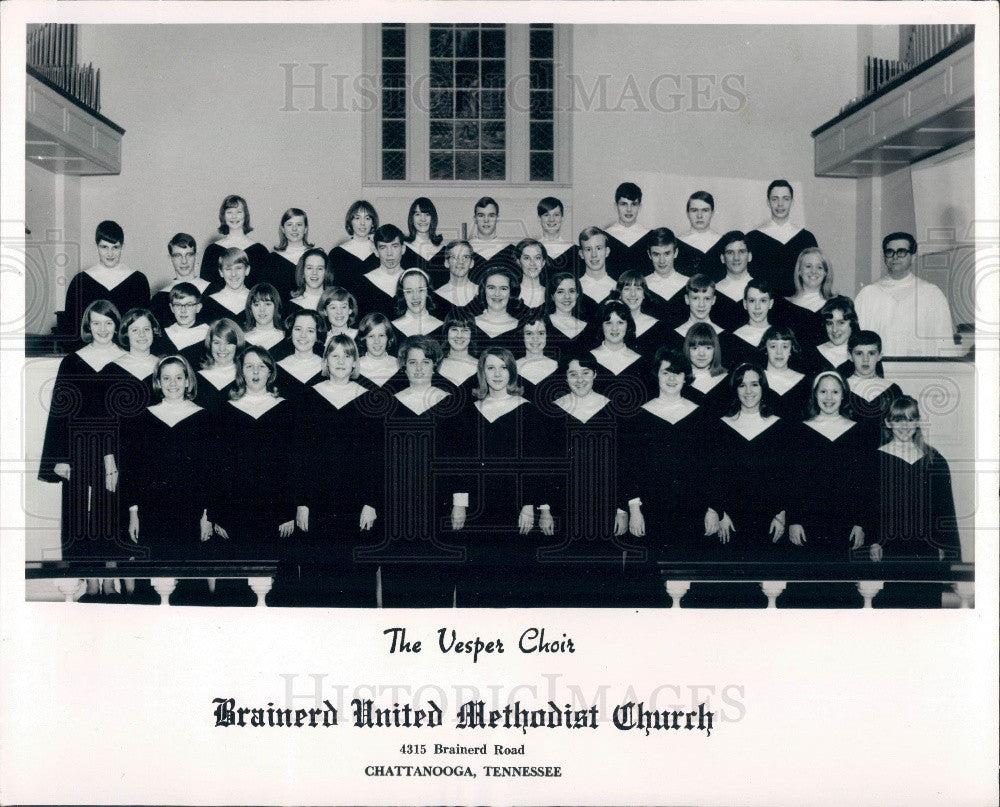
[184,306]
[896,253]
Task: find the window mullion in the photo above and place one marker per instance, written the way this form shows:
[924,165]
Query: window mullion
[418,68]
[517,106]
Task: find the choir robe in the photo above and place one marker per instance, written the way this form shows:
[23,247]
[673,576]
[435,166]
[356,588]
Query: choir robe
[585,563]
[460,374]
[650,334]
[742,345]
[131,291]
[303,303]
[214,385]
[336,472]
[257,254]
[728,312]
[665,299]
[447,300]
[280,273]
[561,345]
[167,470]
[489,334]
[159,305]
[226,306]
[664,464]
[186,342]
[534,372]
[789,404]
[775,261]
[806,324]
[418,555]
[273,341]
[490,255]
[749,481]
[712,393]
[253,452]
[411,259]
[629,249]
[375,374]
[627,385]
[674,337]
[371,298]
[596,291]
[825,356]
[349,266]
[296,378]
[434,265]
[563,257]
[871,408]
[82,429]
[429,325]
[499,464]
[693,259]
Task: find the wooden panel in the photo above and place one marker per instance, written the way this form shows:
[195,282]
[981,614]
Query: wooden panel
[46,110]
[79,130]
[927,93]
[963,76]
[890,116]
[858,133]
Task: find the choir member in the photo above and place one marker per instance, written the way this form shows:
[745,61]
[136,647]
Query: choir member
[489,251]
[313,275]
[839,321]
[778,243]
[231,300]
[700,299]
[357,256]
[789,389]
[234,226]
[422,244]
[459,291]
[534,366]
[498,300]
[183,251]
[701,348]
[870,394]
[340,309]
[532,261]
[698,248]
[494,506]
[597,283]
[166,467]
[377,345]
[624,373]
[375,290]
[663,467]
[186,336]
[218,368]
[78,450]
[262,317]
[665,284]
[337,477]
[740,345]
[256,510]
[736,257]
[627,240]
[293,240]
[109,279]
[459,363]
[414,306]
[301,366]
[650,332]
[137,334]
[566,329]
[813,288]
[562,253]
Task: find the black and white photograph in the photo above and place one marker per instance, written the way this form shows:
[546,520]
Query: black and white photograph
[616,379]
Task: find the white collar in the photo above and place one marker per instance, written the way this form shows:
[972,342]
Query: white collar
[412,325]
[200,283]
[301,369]
[292,254]
[750,333]
[536,369]
[835,354]
[425,249]
[309,299]
[583,409]
[457,370]
[782,380]
[99,359]
[907,455]
[701,241]
[256,405]
[140,368]
[627,235]
[340,395]
[597,288]
[419,401]
[495,329]
[361,249]
[643,322]
[185,337]
[705,381]
[219,377]
[614,360]
[830,428]
[781,232]
[534,297]
[685,327]
[383,280]
[556,248]
[868,388]
[235,300]
[671,411]
[733,289]
[750,426]
[667,286]
[889,282]
[575,325]
[109,278]
[350,332]
[266,339]
[491,408]
[378,370]
[172,414]
[457,295]
[811,300]
[487,249]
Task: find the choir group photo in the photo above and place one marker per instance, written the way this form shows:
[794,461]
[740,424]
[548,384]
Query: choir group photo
[488,315]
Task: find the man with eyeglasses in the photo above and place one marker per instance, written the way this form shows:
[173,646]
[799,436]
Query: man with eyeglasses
[183,252]
[911,315]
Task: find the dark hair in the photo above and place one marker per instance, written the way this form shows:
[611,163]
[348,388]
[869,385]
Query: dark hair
[229,202]
[184,290]
[339,294]
[731,238]
[629,191]
[701,333]
[547,204]
[258,293]
[554,282]
[300,271]
[631,277]
[676,360]
[482,389]
[843,304]
[191,387]
[589,232]
[900,237]
[777,332]
[699,282]
[761,285]
[459,318]
[429,347]
[131,316]
[662,237]
[586,359]
[223,328]
[425,205]
[399,298]
[779,183]
[905,407]
[701,196]
[486,201]
[515,286]
[105,308]
[349,345]
[734,384]
[863,338]
[365,205]
[603,315]
[110,231]
[519,249]
[291,213]
[812,407]
[240,385]
[181,241]
[373,320]
[315,316]
[386,234]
